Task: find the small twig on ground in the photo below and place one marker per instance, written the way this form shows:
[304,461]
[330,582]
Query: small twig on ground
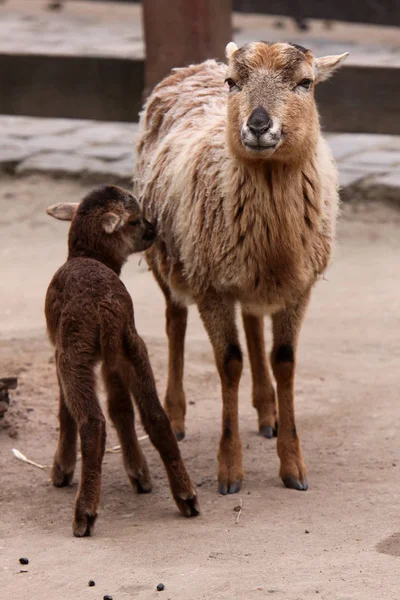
[117,449]
[18,455]
[24,459]
[238,509]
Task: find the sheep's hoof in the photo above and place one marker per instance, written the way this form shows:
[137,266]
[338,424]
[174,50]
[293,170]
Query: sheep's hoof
[83,523]
[142,483]
[295,484]
[189,507]
[180,435]
[269,432]
[231,488]
[59,477]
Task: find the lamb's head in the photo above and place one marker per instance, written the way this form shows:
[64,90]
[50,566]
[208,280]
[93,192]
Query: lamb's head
[109,220]
[271,106]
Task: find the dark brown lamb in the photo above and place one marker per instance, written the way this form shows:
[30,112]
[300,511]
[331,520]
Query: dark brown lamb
[89,316]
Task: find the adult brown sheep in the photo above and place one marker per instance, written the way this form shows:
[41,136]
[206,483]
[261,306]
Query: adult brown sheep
[244,191]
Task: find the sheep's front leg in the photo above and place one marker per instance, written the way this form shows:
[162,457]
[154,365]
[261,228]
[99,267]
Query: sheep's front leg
[218,315]
[263,390]
[286,329]
[175,403]
[176,321]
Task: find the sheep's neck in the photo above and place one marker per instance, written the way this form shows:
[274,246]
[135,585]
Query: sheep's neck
[274,217]
[276,191]
[112,262]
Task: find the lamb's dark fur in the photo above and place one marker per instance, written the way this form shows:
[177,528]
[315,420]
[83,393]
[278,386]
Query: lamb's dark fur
[89,316]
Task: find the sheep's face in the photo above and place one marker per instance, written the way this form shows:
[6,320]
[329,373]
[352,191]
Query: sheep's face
[122,220]
[109,220]
[271,108]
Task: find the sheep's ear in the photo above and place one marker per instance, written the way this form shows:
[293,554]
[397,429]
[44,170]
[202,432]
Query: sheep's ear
[64,211]
[327,65]
[111,222]
[230,49]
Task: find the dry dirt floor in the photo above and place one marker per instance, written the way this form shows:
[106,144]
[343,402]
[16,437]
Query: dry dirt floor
[338,541]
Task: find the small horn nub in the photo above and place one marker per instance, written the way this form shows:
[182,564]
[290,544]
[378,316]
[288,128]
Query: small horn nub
[230,49]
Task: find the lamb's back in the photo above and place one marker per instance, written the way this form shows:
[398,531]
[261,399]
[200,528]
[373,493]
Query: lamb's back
[83,297]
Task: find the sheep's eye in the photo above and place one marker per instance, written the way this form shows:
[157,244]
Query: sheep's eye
[232,84]
[134,222]
[305,83]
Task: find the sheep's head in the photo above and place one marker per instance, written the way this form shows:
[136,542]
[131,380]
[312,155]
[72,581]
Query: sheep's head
[271,107]
[109,220]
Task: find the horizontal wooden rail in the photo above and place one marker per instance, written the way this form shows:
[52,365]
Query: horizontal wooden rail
[379,12]
[358,99]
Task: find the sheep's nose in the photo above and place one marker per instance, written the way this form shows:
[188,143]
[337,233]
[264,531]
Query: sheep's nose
[259,121]
[150,230]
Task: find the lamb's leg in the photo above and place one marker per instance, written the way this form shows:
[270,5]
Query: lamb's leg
[286,329]
[176,320]
[121,412]
[79,387]
[158,426]
[263,391]
[65,456]
[218,315]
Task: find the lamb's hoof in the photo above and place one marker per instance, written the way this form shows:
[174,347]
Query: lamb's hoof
[232,488]
[269,432]
[142,483]
[189,507]
[60,478]
[295,484]
[83,524]
[180,435]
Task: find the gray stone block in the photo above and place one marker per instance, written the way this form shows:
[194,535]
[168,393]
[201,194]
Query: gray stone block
[54,143]
[12,153]
[350,176]
[53,162]
[26,127]
[111,152]
[118,169]
[106,133]
[378,159]
[350,144]
[391,180]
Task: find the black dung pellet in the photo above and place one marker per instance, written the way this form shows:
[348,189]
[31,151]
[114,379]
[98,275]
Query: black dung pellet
[24,561]
[91,583]
[107,597]
[160,587]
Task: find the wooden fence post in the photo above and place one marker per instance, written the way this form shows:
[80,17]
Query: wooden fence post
[182,32]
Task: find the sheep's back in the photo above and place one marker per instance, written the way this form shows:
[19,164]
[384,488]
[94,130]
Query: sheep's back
[189,97]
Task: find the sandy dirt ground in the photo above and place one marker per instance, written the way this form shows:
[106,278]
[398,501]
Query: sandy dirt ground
[338,541]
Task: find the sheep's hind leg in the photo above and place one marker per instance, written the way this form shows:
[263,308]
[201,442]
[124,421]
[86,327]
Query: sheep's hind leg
[65,456]
[218,315]
[286,329]
[263,391]
[158,426]
[121,412]
[78,384]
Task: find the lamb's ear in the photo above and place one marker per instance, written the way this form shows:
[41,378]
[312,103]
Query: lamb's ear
[230,50]
[111,222]
[64,211]
[327,65]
